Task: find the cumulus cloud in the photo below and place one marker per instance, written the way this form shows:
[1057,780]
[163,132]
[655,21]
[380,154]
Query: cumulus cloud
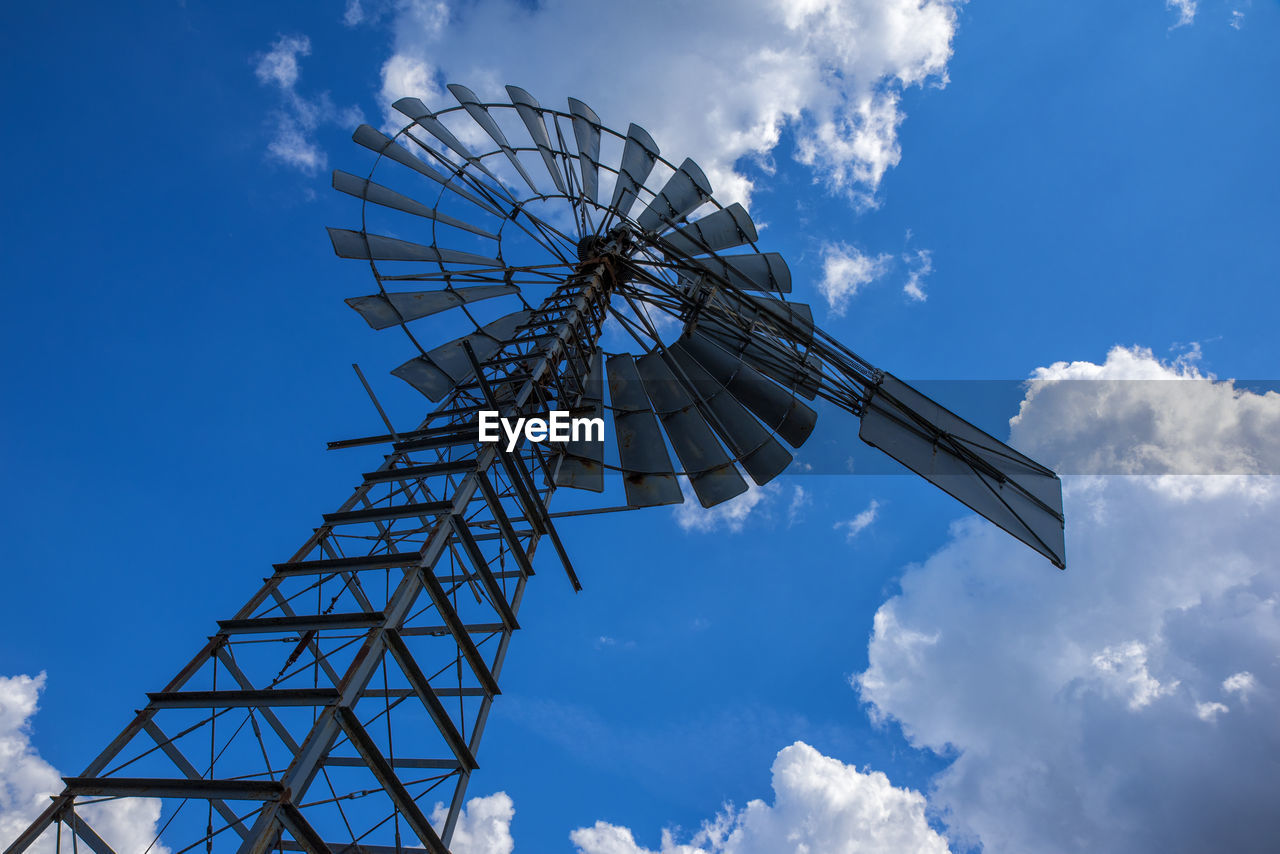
[717,81]
[731,515]
[1134,414]
[820,805]
[845,271]
[297,117]
[855,526]
[1103,709]
[484,825]
[1184,9]
[27,781]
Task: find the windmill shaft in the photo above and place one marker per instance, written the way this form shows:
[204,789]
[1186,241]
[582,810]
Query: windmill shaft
[395,615]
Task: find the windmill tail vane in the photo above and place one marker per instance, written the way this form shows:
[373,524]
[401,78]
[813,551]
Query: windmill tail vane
[341,708]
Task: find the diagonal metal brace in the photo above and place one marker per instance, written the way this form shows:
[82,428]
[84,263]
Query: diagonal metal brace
[459,631]
[481,564]
[292,820]
[428,697]
[386,775]
[85,832]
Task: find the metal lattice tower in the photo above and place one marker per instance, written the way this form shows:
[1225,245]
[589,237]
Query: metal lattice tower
[354,686]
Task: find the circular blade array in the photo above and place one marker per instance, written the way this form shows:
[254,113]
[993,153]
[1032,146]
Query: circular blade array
[703,363]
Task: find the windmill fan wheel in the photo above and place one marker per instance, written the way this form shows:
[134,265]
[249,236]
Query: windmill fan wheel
[476,214]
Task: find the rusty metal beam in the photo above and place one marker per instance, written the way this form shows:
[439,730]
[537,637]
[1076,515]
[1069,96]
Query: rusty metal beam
[459,631]
[429,699]
[348,564]
[167,787]
[243,699]
[303,623]
[387,513]
[481,565]
[391,784]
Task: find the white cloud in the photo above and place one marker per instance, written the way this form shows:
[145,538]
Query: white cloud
[800,499]
[1209,712]
[298,117]
[1082,696]
[1136,415]
[845,270]
[1237,19]
[1241,683]
[919,265]
[484,825]
[279,66]
[730,515]
[27,781]
[290,145]
[1124,666]
[1185,9]
[821,806]
[402,75]
[855,526]
[717,81]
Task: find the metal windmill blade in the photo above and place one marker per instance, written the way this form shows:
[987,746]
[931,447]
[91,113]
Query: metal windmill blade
[530,271]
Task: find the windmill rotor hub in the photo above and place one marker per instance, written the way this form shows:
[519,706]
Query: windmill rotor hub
[617,243]
[590,248]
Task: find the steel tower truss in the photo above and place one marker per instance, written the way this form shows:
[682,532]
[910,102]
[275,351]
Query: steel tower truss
[351,691]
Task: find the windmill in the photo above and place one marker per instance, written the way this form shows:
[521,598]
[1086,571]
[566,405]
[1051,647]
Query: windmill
[588,274]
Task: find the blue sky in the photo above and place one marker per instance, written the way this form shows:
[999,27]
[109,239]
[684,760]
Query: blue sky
[1079,176]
